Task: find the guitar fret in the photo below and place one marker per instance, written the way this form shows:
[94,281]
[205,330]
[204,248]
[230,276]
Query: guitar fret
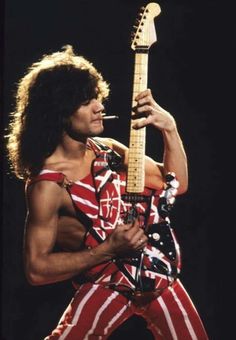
[135,152]
[136,162]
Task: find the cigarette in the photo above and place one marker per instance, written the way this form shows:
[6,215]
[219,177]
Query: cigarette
[109,117]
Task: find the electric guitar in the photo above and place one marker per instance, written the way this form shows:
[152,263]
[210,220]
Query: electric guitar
[123,197]
[162,253]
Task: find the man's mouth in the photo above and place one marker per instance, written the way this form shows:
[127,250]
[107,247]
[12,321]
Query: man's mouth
[97,121]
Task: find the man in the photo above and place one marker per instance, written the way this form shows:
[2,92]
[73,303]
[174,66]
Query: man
[78,223]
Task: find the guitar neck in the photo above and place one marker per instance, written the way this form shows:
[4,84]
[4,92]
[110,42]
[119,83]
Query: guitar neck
[137,142]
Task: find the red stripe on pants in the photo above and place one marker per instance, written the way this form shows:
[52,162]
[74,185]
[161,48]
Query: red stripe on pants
[95,312]
[174,315]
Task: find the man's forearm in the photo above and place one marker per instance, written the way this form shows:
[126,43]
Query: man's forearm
[174,158]
[55,267]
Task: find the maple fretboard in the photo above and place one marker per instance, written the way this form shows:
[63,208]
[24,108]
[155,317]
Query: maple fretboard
[137,142]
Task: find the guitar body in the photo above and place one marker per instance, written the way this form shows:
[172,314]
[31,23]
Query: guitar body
[159,263]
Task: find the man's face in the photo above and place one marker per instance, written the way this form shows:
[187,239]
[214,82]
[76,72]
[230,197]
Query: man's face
[87,120]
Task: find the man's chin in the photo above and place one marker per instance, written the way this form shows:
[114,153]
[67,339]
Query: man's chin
[96,132]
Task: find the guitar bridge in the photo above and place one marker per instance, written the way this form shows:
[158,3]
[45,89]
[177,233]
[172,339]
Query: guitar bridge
[134,199]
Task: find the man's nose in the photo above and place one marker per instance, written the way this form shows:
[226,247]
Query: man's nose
[98,106]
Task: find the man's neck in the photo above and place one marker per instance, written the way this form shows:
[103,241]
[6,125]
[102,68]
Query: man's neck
[70,149]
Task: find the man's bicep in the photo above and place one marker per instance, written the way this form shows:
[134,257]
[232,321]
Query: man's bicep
[42,218]
[153,167]
[43,200]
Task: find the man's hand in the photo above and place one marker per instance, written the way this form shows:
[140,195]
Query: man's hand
[151,113]
[127,238]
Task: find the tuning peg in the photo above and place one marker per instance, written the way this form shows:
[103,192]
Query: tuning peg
[141,12]
[133,32]
[142,9]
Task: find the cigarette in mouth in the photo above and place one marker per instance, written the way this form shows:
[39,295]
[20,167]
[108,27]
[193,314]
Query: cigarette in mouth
[104,116]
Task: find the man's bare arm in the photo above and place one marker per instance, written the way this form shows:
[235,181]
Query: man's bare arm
[42,265]
[174,158]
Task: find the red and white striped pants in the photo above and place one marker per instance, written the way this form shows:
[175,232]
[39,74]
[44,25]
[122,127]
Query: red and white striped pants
[95,312]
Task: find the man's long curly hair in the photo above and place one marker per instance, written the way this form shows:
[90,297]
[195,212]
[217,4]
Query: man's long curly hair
[50,92]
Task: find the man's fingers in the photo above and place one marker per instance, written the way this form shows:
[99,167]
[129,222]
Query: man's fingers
[136,114]
[142,242]
[139,237]
[142,123]
[143,94]
[128,226]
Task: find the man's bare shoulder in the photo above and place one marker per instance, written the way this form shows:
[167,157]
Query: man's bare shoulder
[44,191]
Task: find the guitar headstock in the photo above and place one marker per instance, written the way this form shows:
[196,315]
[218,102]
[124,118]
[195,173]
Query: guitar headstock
[145,33]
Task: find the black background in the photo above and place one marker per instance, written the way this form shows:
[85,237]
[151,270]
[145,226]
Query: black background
[190,68]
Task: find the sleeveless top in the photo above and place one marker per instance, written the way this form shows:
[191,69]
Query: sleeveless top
[101,202]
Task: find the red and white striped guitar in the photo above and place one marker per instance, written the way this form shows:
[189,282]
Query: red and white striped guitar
[161,256]
[123,196]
